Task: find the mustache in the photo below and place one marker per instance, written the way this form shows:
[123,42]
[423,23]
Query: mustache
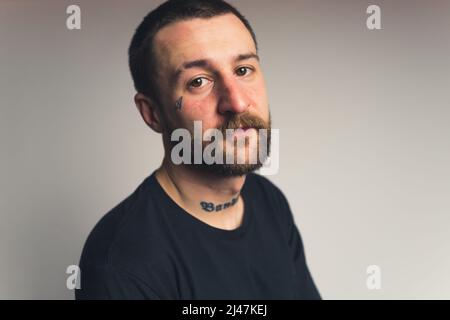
[245,120]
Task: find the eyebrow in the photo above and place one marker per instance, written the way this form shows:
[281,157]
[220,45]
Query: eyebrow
[204,63]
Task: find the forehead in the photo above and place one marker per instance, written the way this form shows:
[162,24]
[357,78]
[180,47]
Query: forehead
[219,38]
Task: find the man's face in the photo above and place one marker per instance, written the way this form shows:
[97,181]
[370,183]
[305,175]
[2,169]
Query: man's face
[208,71]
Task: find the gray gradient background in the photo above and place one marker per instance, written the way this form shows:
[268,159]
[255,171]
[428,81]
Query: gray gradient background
[363,117]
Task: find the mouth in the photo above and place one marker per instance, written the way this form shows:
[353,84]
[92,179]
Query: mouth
[244,128]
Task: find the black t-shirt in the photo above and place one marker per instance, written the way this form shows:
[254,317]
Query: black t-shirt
[148,247]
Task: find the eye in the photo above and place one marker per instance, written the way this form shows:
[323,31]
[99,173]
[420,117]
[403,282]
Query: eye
[199,82]
[242,71]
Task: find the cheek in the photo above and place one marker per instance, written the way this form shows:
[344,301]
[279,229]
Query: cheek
[195,108]
[258,96]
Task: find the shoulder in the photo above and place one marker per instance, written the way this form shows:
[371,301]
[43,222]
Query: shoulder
[118,237]
[127,252]
[269,197]
[258,185]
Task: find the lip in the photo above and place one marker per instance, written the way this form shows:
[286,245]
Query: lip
[242,130]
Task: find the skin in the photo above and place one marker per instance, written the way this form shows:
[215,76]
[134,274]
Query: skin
[225,86]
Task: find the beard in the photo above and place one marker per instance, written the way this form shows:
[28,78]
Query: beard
[238,167]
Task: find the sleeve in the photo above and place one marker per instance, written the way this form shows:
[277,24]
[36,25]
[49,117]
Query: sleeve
[109,283]
[307,288]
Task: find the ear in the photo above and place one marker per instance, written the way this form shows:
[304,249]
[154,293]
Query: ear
[149,111]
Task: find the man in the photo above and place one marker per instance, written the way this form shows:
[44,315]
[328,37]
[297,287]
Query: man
[198,230]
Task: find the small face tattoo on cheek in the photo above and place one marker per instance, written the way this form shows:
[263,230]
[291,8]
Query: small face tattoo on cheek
[179,104]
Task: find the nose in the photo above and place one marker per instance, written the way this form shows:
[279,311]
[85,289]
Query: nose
[233,97]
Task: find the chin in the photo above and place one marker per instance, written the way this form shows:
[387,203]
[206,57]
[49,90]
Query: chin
[229,170]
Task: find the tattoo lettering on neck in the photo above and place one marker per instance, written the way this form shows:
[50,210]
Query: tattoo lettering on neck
[179,104]
[210,207]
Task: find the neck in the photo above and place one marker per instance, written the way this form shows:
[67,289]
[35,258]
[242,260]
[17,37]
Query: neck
[212,198]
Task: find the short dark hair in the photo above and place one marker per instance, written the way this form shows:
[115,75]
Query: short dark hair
[141,56]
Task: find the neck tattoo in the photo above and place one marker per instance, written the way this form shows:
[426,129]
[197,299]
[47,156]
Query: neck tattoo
[211,207]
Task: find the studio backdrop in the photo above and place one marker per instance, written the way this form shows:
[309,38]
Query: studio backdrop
[359,91]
